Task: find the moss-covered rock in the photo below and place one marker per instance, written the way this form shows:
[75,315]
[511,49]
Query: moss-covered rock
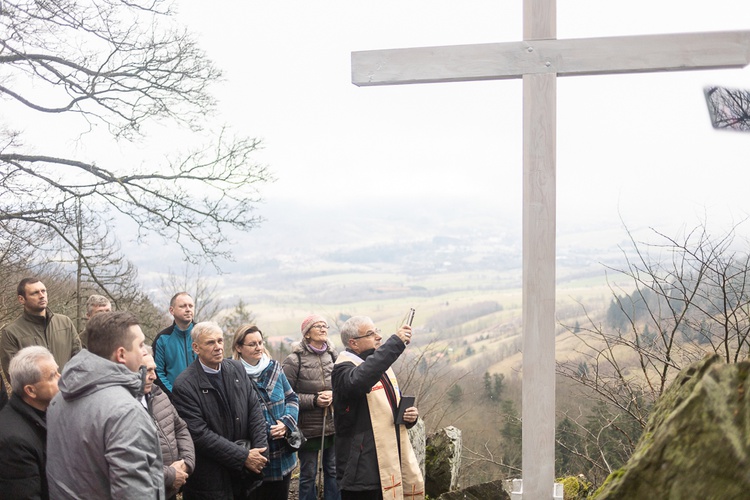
[697,441]
[575,487]
[442,461]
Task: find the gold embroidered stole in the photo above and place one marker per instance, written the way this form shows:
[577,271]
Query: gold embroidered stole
[399,479]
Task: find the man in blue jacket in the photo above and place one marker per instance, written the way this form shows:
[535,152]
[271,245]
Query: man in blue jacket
[173,351]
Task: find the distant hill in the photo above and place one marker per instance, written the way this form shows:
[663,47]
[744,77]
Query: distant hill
[381,260]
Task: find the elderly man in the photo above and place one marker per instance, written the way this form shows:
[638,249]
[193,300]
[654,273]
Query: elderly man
[173,350]
[222,411]
[374,458]
[38,326]
[177,450]
[23,430]
[95,304]
[101,442]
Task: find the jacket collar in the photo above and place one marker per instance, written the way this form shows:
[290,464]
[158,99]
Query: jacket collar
[202,377]
[362,355]
[40,320]
[184,332]
[303,345]
[27,412]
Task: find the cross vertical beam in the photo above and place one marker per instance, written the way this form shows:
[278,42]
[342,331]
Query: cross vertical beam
[539,236]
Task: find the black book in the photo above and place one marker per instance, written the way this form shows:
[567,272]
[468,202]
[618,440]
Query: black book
[406,402]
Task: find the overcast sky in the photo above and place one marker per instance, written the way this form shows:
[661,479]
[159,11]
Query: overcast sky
[640,145]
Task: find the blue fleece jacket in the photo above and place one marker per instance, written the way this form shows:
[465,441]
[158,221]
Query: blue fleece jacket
[173,352]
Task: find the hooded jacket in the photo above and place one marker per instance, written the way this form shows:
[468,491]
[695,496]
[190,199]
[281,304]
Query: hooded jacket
[101,441]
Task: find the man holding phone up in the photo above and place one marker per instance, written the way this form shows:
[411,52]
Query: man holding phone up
[374,457]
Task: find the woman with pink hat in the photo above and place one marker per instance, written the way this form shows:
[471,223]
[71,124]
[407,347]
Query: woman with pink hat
[308,369]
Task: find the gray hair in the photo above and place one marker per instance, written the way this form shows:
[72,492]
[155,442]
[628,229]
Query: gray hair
[24,367]
[149,350]
[205,327]
[96,301]
[350,329]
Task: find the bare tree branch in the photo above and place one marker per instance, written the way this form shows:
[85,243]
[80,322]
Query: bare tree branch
[122,65]
[686,297]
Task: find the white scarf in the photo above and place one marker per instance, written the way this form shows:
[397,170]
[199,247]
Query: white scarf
[255,371]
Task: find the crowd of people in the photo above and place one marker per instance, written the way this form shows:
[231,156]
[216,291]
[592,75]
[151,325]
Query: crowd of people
[104,415]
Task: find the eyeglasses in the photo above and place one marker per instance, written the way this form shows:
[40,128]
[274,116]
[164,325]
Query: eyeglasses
[369,333]
[320,327]
[253,345]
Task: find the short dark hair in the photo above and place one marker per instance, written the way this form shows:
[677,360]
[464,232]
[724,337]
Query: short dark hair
[22,285]
[108,331]
[174,298]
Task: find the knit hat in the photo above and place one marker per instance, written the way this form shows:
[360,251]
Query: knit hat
[310,321]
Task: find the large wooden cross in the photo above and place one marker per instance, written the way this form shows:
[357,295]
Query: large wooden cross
[539,59]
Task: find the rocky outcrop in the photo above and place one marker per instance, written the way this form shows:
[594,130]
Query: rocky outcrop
[697,441]
[486,491]
[442,461]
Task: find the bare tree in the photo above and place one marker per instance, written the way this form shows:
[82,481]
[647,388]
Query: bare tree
[683,297]
[116,66]
[89,249]
[15,262]
[240,315]
[425,373]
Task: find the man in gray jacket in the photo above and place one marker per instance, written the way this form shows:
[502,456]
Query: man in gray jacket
[100,441]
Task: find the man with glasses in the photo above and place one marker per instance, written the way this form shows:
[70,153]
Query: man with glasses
[374,458]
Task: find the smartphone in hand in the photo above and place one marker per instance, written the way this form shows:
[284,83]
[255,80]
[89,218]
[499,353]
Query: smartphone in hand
[410,317]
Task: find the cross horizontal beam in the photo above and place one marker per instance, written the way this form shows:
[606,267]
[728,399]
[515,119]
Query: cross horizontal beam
[567,57]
